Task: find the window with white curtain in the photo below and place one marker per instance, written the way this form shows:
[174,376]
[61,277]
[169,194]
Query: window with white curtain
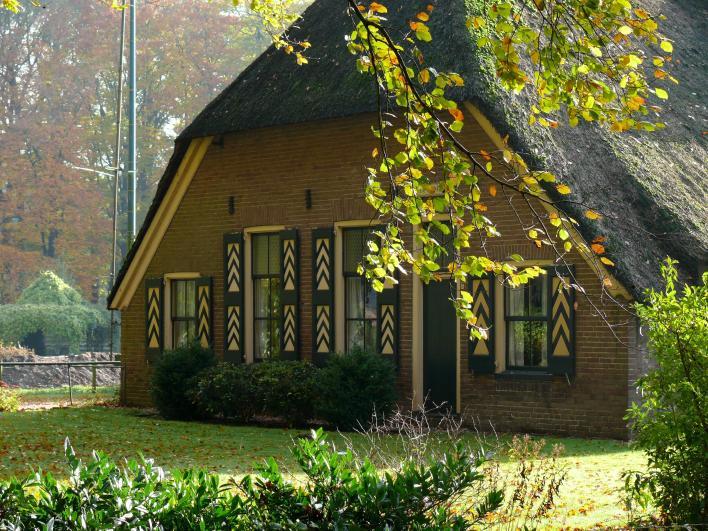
[359,296]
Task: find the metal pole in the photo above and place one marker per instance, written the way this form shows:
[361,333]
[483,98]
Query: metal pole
[116,163]
[93,377]
[132,138]
[68,372]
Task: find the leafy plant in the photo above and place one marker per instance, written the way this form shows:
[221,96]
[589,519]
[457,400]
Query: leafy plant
[226,391]
[354,386]
[174,375]
[286,389]
[9,399]
[670,423]
[338,493]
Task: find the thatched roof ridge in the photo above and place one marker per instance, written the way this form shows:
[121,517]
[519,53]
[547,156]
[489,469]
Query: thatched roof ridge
[654,183]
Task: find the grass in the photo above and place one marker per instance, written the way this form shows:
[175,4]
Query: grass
[54,396]
[590,497]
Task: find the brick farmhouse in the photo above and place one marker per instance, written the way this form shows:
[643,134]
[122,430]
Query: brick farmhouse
[252,240]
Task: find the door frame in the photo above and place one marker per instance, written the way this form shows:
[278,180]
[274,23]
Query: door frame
[417,348]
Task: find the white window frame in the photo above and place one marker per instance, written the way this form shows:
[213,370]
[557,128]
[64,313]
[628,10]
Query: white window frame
[339,284]
[248,321]
[167,280]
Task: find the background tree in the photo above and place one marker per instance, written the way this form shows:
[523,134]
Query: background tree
[57,111]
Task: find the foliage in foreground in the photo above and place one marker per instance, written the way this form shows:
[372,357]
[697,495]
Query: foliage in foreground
[339,492]
[670,423]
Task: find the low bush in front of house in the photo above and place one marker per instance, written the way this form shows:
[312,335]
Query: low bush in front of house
[286,389]
[226,391]
[341,492]
[174,376]
[354,386]
[345,393]
[281,389]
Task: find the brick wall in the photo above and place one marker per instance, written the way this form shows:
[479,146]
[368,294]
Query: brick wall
[268,171]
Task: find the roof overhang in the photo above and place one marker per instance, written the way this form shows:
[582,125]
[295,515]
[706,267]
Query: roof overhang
[156,224]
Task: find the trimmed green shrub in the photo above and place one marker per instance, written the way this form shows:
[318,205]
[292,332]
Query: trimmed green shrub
[671,422]
[286,389]
[174,375]
[282,389]
[340,493]
[352,387]
[226,391]
[9,400]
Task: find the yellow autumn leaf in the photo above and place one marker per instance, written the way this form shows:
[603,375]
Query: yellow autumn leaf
[667,46]
[592,214]
[661,93]
[423,16]
[563,189]
[378,8]
[493,190]
[607,261]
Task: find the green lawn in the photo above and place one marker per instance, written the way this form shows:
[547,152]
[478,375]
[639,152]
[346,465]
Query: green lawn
[55,396]
[590,496]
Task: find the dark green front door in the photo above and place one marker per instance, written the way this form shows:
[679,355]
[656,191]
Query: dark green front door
[439,343]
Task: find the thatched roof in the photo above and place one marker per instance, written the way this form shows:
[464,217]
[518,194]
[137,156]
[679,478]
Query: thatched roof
[655,183]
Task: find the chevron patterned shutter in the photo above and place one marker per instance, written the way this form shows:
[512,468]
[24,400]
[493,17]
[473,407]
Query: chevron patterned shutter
[481,352]
[154,317]
[204,317]
[561,339]
[388,322]
[322,294]
[233,298]
[289,295]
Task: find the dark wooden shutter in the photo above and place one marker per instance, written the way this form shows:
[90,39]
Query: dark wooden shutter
[233,298]
[289,295]
[203,313]
[481,354]
[322,294]
[154,317]
[387,323]
[561,337]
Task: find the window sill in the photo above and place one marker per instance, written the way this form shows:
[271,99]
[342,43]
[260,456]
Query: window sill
[524,375]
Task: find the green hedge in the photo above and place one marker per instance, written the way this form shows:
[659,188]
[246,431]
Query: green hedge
[344,393]
[340,493]
[174,375]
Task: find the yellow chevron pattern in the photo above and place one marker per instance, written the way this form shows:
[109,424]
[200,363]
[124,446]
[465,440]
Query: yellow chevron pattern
[153,323]
[322,262]
[203,311]
[289,328]
[233,257]
[323,327]
[288,265]
[233,327]
[388,324]
[482,310]
[560,315]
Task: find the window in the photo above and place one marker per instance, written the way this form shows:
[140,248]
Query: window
[266,296]
[527,323]
[183,311]
[359,297]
